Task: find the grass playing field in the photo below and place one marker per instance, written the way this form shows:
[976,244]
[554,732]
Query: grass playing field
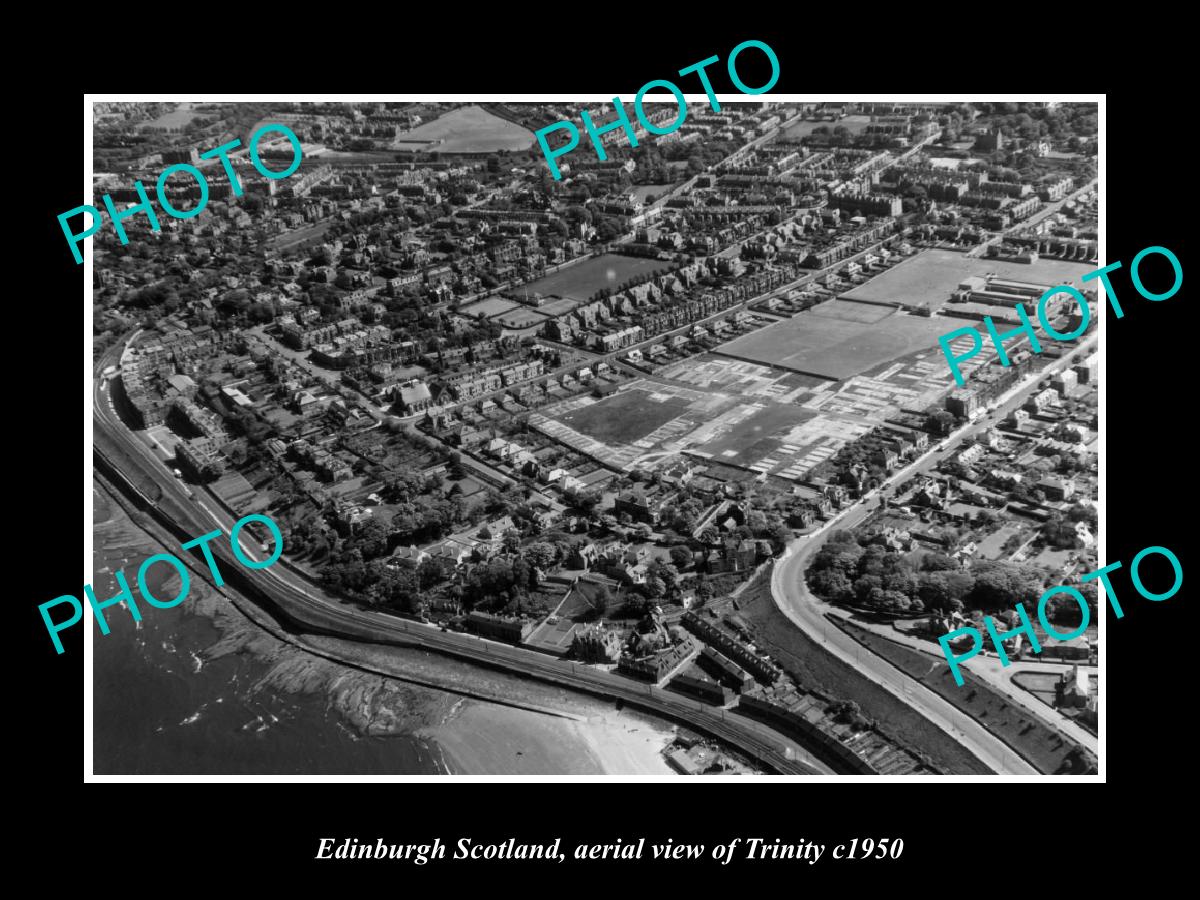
[835,348]
[521,317]
[557,307]
[623,418]
[469,129]
[852,312]
[492,306]
[580,281]
[931,276]
[854,124]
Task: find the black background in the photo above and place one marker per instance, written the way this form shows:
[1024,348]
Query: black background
[957,835]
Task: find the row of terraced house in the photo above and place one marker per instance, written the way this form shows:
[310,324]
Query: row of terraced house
[476,384]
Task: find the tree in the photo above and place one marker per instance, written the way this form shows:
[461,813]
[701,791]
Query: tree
[399,589]
[597,598]
[372,539]
[848,712]
[868,589]
[902,580]
[541,554]
[1002,585]
[933,590]
[523,573]
[872,560]
[895,602]
[831,584]
[1083,512]
[940,422]
[430,571]
[512,540]
[681,555]
[939,562]
[985,517]
[959,585]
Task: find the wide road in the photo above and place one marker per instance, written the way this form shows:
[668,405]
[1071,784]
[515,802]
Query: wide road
[990,670]
[793,598]
[303,604]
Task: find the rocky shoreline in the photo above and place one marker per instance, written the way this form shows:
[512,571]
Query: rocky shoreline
[374,705]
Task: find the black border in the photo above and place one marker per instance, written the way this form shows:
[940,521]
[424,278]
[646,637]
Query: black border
[1149,359]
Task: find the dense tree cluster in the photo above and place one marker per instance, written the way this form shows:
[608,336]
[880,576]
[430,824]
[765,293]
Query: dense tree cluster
[1031,121]
[1060,532]
[847,571]
[358,565]
[940,421]
[858,452]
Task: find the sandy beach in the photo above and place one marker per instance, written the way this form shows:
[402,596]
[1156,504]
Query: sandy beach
[465,736]
[486,739]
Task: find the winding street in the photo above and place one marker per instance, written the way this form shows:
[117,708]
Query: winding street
[807,612]
[295,600]
[302,606]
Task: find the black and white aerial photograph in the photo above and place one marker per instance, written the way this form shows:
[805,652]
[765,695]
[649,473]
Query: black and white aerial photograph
[455,438]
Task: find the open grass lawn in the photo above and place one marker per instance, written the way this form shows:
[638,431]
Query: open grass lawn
[521,317]
[469,129]
[300,235]
[581,281]
[488,307]
[1043,747]
[848,311]
[644,191]
[837,348]
[1040,684]
[803,128]
[176,118]
[816,670]
[932,275]
[624,417]
[469,486]
[557,307]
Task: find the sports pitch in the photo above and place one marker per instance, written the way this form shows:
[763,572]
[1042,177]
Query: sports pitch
[521,317]
[867,313]
[830,346]
[557,308]
[853,124]
[624,417]
[581,281]
[930,277]
[469,129]
[492,306]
